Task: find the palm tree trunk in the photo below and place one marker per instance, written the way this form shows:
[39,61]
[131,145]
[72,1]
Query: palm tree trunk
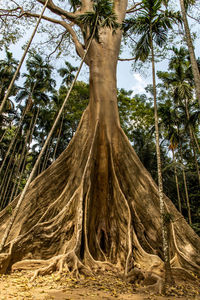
[8,182]
[5,177]
[186,190]
[195,69]
[21,162]
[58,139]
[2,136]
[196,141]
[177,183]
[16,188]
[165,225]
[29,137]
[46,156]
[39,169]
[1,89]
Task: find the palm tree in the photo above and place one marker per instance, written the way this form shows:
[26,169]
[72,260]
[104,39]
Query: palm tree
[67,73]
[184,6]
[151,26]
[169,119]
[7,69]
[180,82]
[38,81]
[185,185]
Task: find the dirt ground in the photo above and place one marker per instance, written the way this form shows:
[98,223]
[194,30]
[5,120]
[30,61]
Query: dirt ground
[101,287]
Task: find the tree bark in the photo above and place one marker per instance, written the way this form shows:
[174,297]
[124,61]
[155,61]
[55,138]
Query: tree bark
[195,69]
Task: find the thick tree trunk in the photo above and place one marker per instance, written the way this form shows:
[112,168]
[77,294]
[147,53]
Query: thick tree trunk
[195,69]
[96,206]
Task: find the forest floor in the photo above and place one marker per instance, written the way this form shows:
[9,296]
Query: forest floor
[100,287]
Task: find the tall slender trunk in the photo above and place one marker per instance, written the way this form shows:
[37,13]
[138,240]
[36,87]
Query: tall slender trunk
[196,141]
[1,89]
[22,160]
[1,139]
[58,138]
[25,158]
[164,220]
[195,69]
[46,156]
[177,183]
[186,189]
[6,173]
[5,195]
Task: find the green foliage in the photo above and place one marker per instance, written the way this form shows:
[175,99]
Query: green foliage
[151,25]
[101,16]
[8,67]
[189,3]
[67,73]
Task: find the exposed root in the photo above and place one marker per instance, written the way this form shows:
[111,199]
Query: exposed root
[153,283]
[4,262]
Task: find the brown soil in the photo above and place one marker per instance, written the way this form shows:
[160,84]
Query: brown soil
[108,286]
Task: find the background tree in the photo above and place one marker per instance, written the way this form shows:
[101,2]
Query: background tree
[184,6]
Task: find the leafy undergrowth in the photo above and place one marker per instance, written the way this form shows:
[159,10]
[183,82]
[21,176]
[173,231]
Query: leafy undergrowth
[101,286]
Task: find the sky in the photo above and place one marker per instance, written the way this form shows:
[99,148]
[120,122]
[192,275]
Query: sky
[126,77]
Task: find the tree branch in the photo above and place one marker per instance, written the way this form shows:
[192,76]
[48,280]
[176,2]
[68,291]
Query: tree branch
[79,47]
[58,45]
[195,19]
[11,12]
[126,59]
[134,8]
[59,11]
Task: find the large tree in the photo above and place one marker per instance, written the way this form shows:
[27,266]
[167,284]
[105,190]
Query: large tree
[96,206]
